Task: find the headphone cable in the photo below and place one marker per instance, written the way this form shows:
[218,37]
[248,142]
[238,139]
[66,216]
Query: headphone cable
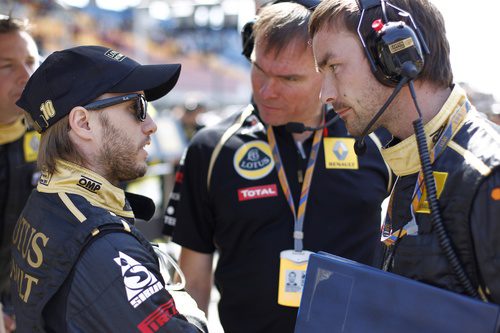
[437,222]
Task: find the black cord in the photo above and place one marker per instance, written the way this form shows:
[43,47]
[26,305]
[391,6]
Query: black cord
[359,145]
[396,90]
[436,219]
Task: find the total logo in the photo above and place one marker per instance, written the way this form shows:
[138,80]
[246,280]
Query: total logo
[257,192]
[140,283]
[253,160]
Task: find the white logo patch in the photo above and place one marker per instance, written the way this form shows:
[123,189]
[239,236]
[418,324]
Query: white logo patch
[115,55]
[140,283]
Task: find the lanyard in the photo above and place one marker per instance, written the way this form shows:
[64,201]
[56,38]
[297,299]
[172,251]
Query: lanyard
[456,118]
[298,234]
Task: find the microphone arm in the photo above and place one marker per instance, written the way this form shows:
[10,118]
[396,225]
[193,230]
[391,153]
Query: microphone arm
[359,145]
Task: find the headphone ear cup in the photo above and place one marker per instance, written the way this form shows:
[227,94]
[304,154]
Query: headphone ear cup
[397,53]
[247,39]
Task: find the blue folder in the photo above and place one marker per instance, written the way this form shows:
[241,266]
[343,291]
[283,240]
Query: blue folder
[341,295]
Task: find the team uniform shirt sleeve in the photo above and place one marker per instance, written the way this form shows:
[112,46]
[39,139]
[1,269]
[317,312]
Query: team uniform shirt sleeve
[117,287]
[194,227]
[485,225]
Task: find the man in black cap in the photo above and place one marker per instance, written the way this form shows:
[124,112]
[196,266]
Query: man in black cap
[79,265]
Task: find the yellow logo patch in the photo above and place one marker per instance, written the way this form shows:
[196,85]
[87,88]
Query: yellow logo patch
[423,204]
[253,160]
[339,153]
[31,144]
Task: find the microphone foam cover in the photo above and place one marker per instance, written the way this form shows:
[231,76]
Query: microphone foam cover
[295,127]
[360,146]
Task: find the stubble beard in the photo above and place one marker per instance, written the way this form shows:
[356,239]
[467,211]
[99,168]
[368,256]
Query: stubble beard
[118,157]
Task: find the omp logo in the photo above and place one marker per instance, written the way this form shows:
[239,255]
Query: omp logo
[89,184]
[253,160]
[140,283]
[158,317]
[115,55]
[257,192]
[340,150]
[47,112]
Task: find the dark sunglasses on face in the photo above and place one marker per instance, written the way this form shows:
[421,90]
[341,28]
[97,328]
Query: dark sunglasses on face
[140,105]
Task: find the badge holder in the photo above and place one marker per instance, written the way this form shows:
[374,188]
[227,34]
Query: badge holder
[293,265]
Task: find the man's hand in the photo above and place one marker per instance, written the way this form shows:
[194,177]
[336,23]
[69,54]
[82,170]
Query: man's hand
[187,306]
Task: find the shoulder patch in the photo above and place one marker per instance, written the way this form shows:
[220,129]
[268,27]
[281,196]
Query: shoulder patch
[253,160]
[140,283]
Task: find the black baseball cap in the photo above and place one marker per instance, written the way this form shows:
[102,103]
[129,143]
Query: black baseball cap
[77,76]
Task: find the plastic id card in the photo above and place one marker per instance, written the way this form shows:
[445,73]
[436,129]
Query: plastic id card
[293,266]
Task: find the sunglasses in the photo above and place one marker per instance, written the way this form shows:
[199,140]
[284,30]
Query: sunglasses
[140,106]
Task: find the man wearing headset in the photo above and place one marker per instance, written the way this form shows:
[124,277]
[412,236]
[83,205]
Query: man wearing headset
[18,144]
[242,180]
[79,264]
[464,147]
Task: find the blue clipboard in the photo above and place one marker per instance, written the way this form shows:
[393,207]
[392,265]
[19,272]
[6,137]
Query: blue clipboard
[341,295]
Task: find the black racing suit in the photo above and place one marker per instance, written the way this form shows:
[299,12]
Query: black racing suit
[79,265]
[18,177]
[468,174]
[245,216]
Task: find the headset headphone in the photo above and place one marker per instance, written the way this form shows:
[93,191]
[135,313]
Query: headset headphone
[247,39]
[393,49]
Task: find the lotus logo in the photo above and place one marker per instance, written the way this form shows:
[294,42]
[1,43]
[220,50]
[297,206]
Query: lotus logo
[255,159]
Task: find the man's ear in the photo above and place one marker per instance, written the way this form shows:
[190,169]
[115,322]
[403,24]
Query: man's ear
[79,122]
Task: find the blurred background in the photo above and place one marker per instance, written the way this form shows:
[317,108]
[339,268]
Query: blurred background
[204,36]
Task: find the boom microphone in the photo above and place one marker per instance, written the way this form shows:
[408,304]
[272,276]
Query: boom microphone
[293,127]
[359,144]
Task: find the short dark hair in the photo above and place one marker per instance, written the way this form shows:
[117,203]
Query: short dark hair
[280,24]
[346,14]
[10,24]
